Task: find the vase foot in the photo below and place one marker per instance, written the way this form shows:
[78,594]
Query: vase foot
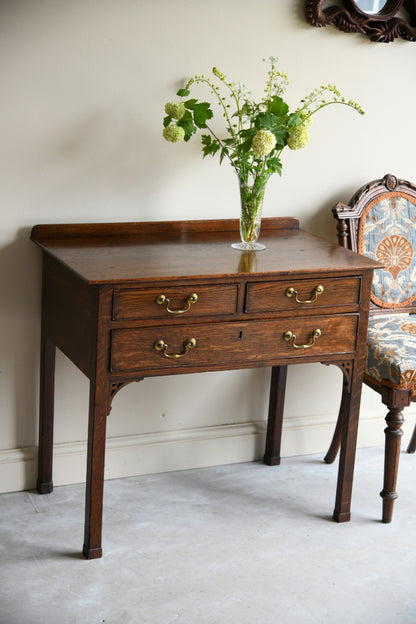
[248,246]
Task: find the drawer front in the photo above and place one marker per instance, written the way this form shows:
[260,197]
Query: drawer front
[176,301]
[225,344]
[302,294]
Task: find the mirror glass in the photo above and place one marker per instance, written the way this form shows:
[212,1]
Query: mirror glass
[371,7]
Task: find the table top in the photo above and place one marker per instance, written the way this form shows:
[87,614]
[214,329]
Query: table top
[102,253]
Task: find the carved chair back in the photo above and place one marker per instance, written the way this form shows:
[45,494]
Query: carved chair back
[380,222]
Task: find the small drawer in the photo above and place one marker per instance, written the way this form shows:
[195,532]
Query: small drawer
[302,294]
[175,301]
[224,344]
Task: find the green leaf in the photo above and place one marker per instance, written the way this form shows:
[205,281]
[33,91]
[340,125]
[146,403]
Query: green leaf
[191,103]
[166,121]
[224,152]
[183,92]
[202,112]
[246,145]
[206,139]
[186,122]
[211,147]
[281,135]
[274,165]
[265,120]
[277,106]
[294,120]
[248,135]
[248,132]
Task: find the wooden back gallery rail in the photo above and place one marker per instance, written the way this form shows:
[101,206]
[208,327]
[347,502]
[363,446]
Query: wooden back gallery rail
[125,301]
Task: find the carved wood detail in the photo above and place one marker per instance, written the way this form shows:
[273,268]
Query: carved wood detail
[114,387]
[342,228]
[382,27]
[346,369]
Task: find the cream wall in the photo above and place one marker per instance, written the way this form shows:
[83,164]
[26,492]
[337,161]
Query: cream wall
[83,89]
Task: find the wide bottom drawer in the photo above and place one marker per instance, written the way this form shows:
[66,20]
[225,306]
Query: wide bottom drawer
[229,343]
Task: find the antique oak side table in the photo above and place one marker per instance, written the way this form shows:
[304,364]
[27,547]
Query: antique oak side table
[124,301]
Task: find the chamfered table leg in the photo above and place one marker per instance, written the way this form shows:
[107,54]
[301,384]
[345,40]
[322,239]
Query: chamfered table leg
[46,415]
[342,510]
[275,418]
[95,469]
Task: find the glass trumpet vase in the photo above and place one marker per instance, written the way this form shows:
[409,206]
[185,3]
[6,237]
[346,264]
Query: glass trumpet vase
[251,198]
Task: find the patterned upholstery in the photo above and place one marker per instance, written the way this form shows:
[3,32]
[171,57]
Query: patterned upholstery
[387,233]
[391,350]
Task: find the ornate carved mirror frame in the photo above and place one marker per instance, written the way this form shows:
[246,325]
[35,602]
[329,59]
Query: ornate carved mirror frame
[382,26]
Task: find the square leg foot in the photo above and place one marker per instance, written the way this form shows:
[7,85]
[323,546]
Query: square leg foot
[343,516]
[44,487]
[92,553]
[271,461]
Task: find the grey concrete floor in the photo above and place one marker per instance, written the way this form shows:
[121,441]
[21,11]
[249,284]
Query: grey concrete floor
[239,544]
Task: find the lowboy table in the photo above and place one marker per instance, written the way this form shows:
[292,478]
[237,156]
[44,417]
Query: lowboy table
[124,301]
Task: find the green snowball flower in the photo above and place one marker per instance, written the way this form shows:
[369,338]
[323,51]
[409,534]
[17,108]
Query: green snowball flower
[173,133]
[263,142]
[305,119]
[298,138]
[176,110]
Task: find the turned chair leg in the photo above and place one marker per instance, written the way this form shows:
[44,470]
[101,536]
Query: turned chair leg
[394,432]
[412,444]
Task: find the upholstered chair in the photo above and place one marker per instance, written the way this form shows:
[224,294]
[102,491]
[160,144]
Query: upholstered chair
[380,222]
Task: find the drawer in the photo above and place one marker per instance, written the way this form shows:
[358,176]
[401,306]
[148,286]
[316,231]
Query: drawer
[302,294]
[175,301]
[225,344]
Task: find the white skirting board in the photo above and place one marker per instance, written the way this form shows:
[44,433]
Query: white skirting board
[180,450]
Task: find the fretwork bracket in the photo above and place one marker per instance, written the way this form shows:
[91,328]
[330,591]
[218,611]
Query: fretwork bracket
[114,387]
[346,368]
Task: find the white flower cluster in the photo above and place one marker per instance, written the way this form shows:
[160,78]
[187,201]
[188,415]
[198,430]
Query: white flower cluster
[278,81]
[241,91]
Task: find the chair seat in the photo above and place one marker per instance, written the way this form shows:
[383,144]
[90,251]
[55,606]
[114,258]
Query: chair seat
[391,351]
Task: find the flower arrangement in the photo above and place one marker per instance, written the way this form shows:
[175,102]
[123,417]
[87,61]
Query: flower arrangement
[256,132]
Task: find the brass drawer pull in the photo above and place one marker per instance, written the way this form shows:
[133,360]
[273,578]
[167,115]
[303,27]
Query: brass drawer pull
[291,292]
[164,301]
[161,345]
[290,337]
